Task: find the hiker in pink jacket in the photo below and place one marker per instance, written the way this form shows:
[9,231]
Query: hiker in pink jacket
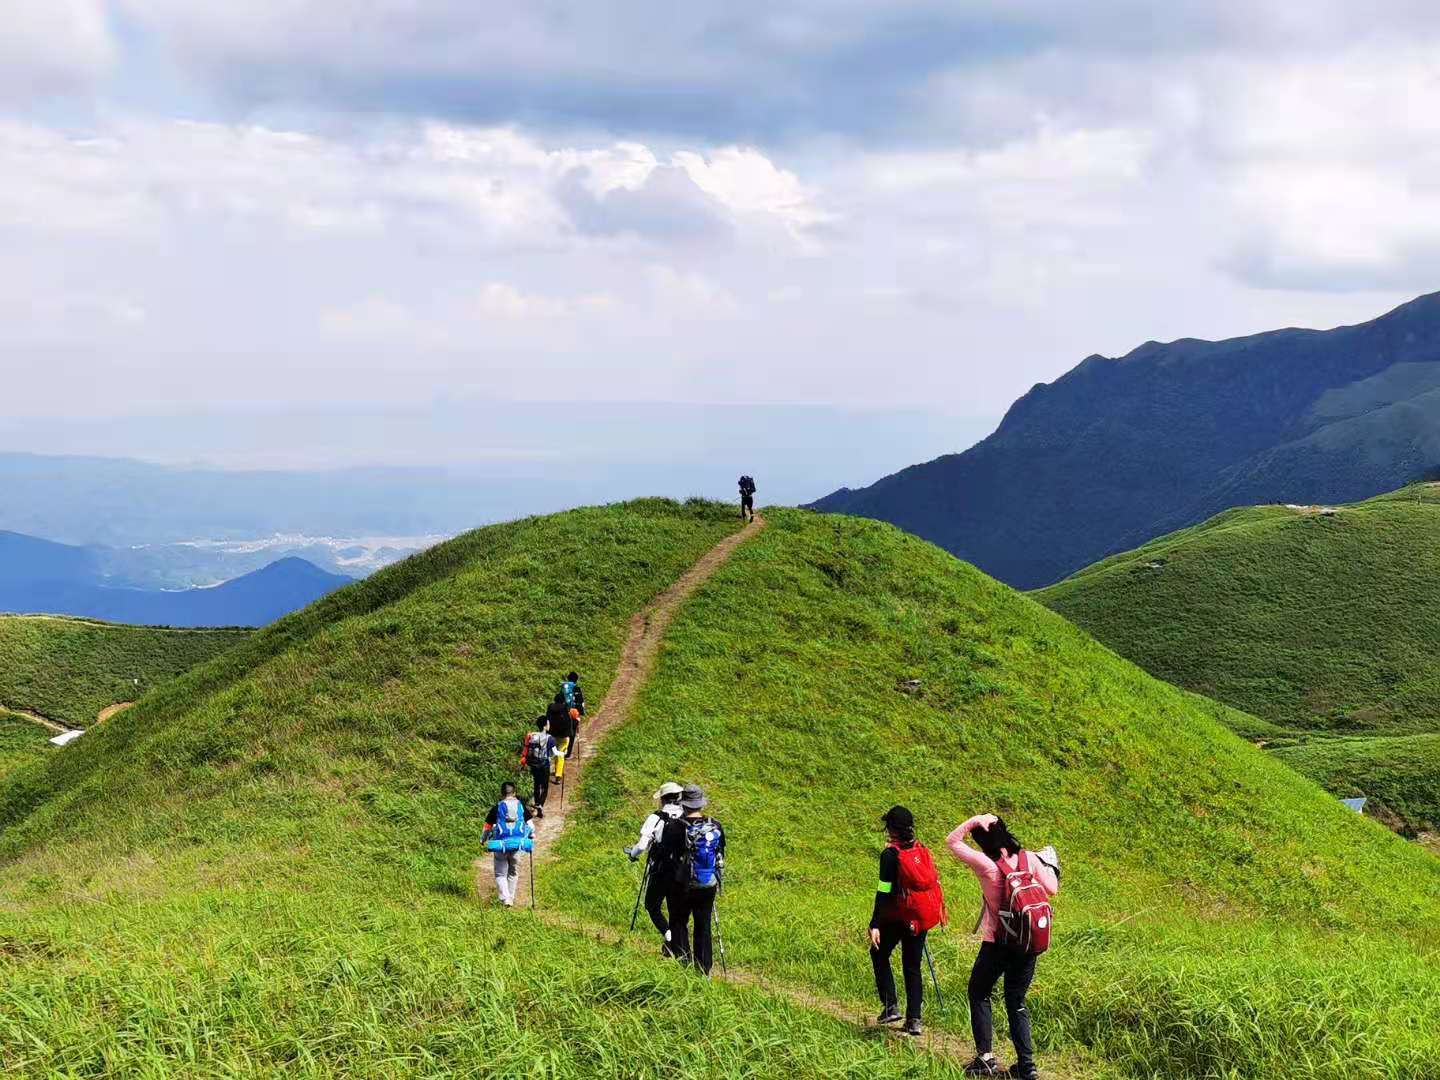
[999,854]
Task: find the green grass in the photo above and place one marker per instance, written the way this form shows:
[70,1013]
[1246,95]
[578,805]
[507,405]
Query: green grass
[265,866]
[22,742]
[1322,626]
[70,669]
[1220,915]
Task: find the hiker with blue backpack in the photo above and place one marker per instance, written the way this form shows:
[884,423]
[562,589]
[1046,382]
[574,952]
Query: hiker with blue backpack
[508,833]
[908,905]
[574,698]
[1015,922]
[694,845]
[747,498]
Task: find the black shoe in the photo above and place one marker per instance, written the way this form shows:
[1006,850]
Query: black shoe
[888,1015]
[912,1027]
[984,1066]
[1022,1071]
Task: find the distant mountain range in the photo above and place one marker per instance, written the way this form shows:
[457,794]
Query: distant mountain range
[41,577]
[1118,451]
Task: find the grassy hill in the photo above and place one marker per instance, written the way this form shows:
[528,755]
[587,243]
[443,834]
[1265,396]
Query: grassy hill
[1322,625]
[70,669]
[21,742]
[266,864]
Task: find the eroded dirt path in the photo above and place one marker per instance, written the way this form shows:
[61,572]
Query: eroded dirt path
[110,710]
[36,718]
[637,659]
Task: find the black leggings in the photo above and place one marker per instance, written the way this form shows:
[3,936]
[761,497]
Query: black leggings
[541,776]
[1018,970]
[685,902]
[912,952]
[657,889]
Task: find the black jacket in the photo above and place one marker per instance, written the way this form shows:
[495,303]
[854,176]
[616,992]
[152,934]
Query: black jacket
[561,726]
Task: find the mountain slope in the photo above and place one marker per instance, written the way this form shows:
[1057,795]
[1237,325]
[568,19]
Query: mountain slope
[266,864]
[1323,624]
[70,669]
[253,599]
[1120,450]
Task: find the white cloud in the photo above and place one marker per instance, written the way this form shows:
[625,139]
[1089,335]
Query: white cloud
[52,46]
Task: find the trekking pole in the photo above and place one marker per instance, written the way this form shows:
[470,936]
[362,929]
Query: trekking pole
[715,918]
[644,879]
[939,1001]
[532,877]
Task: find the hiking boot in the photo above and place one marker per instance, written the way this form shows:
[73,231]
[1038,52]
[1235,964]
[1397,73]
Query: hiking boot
[888,1015]
[984,1065]
[1022,1070]
[912,1028]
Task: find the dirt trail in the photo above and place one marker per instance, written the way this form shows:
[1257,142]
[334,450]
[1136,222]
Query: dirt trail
[36,718]
[637,659]
[647,630]
[110,710]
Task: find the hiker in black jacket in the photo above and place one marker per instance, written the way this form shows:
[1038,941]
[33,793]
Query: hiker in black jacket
[537,751]
[747,498]
[888,929]
[563,730]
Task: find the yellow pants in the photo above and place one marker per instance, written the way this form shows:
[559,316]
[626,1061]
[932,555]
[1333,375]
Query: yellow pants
[561,747]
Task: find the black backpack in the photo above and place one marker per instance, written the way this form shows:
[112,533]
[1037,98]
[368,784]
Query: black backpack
[537,750]
[747,485]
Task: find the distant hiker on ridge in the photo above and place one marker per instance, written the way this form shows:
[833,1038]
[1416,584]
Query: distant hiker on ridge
[747,498]
[575,704]
[659,873]
[537,749]
[908,904]
[694,845]
[562,727]
[1015,917]
[508,832]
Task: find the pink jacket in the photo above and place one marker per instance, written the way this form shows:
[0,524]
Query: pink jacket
[992,875]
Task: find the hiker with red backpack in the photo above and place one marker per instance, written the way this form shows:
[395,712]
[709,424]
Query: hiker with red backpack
[908,904]
[1015,922]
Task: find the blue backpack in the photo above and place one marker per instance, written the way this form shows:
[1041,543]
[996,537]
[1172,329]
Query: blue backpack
[702,850]
[510,835]
[568,689]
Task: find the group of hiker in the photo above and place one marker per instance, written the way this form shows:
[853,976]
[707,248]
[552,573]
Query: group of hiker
[684,850]
[509,826]
[1014,927]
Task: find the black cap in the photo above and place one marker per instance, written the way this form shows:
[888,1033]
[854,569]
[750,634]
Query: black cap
[899,819]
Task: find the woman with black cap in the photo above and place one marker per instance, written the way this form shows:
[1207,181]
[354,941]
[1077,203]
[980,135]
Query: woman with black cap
[890,925]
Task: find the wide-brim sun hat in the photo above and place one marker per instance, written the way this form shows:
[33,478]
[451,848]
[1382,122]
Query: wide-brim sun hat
[692,797]
[668,788]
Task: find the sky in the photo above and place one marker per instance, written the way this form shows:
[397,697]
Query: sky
[897,206]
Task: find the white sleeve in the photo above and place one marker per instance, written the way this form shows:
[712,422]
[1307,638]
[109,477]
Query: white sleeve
[647,833]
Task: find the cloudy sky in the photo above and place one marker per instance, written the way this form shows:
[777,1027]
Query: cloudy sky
[890,204]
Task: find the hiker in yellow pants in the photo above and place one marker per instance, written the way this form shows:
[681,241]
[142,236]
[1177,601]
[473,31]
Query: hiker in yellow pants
[562,727]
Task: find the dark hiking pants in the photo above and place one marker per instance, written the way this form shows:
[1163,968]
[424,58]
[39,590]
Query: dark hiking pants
[657,889]
[912,955]
[1018,970]
[541,776]
[687,903]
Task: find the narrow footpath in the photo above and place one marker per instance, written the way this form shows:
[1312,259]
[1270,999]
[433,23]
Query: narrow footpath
[637,660]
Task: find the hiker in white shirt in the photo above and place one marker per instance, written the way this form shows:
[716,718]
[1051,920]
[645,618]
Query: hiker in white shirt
[658,873]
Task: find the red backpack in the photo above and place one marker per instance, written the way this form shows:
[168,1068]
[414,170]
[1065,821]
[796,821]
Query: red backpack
[1025,914]
[920,902]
